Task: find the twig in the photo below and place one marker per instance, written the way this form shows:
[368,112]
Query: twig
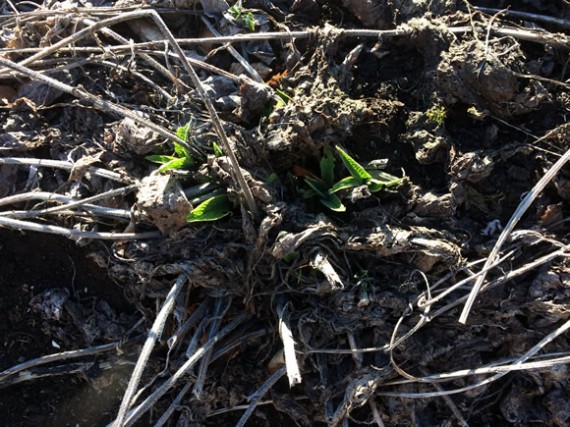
[102,104]
[521,209]
[516,366]
[506,365]
[168,413]
[564,23]
[376,413]
[153,336]
[16,224]
[215,321]
[66,355]
[451,404]
[103,173]
[293,372]
[261,391]
[539,262]
[149,402]
[197,315]
[70,202]
[150,60]
[250,70]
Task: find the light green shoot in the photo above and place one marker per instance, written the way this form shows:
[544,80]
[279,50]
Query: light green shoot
[214,208]
[237,12]
[437,115]
[182,159]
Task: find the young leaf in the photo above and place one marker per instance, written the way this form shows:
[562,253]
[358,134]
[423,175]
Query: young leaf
[343,184]
[318,185]
[307,193]
[181,151]
[283,96]
[375,185]
[327,167]
[355,169]
[386,178]
[176,163]
[182,131]
[211,210]
[248,21]
[217,150]
[158,158]
[333,202]
[271,178]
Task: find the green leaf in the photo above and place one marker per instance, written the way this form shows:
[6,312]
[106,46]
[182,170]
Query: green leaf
[284,97]
[176,163]
[181,151]
[355,169]
[307,193]
[343,184]
[235,11]
[318,186]
[271,178]
[248,21]
[182,132]
[211,210]
[333,202]
[217,150]
[327,167]
[158,158]
[385,177]
[375,185]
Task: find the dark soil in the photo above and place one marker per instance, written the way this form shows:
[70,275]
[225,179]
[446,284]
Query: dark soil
[30,265]
[468,108]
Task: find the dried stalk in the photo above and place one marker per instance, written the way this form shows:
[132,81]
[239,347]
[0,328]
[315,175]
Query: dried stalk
[16,224]
[153,336]
[521,209]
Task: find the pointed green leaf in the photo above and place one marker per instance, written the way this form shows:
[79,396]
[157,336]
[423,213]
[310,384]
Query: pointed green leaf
[355,169]
[307,193]
[375,185]
[182,131]
[318,185]
[283,96]
[158,158]
[343,184]
[385,178]
[327,167]
[271,178]
[181,151]
[176,163]
[211,210]
[249,21]
[217,150]
[333,202]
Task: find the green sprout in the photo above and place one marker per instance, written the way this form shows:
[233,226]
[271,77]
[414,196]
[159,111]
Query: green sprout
[181,159]
[437,115]
[325,187]
[374,179]
[239,13]
[217,150]
[320,187]
[212,209]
